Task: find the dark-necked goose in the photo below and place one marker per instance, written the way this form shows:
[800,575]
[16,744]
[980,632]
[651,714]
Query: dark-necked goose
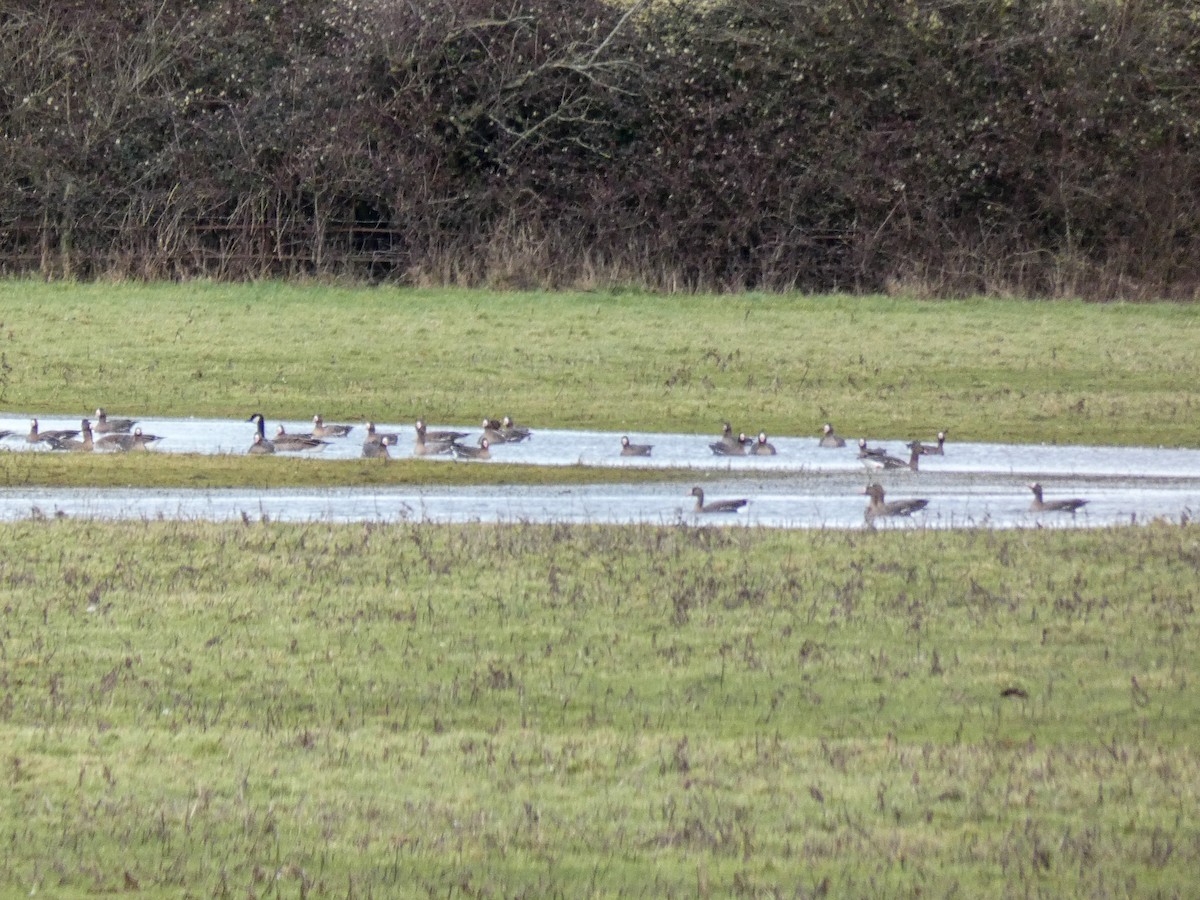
[938,449]
[829,438]
[321,430]
[62,434]
[84,444]
[716,506]
[628,449]
[763,447]
[105,425]
[878,508]
[1040,505]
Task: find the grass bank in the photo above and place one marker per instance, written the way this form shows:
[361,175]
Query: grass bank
[314,710]
[885,367]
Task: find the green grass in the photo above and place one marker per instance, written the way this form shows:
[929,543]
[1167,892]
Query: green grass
[889,368]
[319,710]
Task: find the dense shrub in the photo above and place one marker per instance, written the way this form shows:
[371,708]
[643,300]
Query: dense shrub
[1044,148]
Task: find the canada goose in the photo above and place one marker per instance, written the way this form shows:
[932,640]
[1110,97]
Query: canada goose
[865,452]
[762,447]
[937,449]
[716,506]
[1040,505]
[285,441]
[83,444]
[894,462]
[464,451]
[439,437]
[105,425]
[423,446]
[628,449]
[321,430]
[877,508]
[61,434]
[378,449]
[377,437]
[829,439]
[261,445]
[135,441]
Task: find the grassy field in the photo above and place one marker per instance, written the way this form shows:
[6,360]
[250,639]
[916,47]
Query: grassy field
[313,710]
[887,368]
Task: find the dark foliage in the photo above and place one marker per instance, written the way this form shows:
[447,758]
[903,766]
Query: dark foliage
[938,146]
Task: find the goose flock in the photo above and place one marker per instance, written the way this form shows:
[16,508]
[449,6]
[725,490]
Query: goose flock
[102,433]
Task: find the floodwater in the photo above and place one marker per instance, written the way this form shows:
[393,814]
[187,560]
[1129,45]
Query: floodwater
[803,486]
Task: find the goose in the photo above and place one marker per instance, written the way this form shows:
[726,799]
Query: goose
[464,451]
[829,439]
[865,452]
[423,446]
[321,430]
[135,441]
[728,438]
[877,508]
[62,434]
[261,445]
[762,447]
[377,437]
[628,449]
[378,449]
[1040,505]
[439,437]
[716,506]
[105,425]
[894,462]
[937,449]
[85,444]
[513,432]
[285,441]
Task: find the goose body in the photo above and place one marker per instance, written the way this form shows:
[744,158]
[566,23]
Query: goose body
[285,441]
[716,506]
[35,434]
[465,451]
[1071,505]
[135,441]
[377,437]
[84,444]
[321,430]
[938,449]
[877,507]
[261,446]
[628,449]
[887,461]
[426,446]
[865,452]
[763,447]
[829,438]
[439,437]
[378,449]
[105,425]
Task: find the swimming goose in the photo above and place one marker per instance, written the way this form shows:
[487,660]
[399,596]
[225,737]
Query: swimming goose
[320,429]
[465,451]
[865,452]
[762,447]
[285,441]
[439,437]
[84,444]
[894,462]
[504,432]
[877,508]
[937,449]
[377,437]
[829,439]
[729,445]
[378,449]
[716,506]
[135,441]
[423,446]
[628,449]
[62,434]
[1040,505]
[261,445]
[105,425]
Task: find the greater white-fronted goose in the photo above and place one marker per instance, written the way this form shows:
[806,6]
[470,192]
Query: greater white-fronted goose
[724,448]
[938,449]
[378,449]
[376,437]
[261,445]
[321,430]
[763,447]
[513,432]
[829,438]
[1039,505]
[105,425]
[84,444]
[135,441]
[628,449]
[894,462]
[423,446]
[878,508]
[865,452]
[716,506]
[439,437]
[62,434]
[286,442]
[465,451]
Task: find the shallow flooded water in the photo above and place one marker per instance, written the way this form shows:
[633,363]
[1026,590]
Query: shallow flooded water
[803,486]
